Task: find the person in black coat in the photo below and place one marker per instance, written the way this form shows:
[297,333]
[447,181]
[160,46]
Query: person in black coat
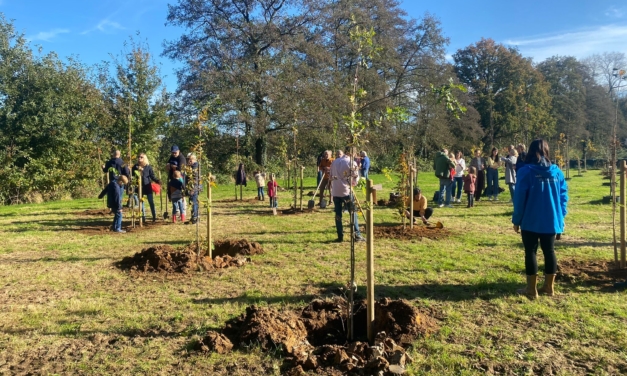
[147,176]
[114,200]
[240,178]
[176,162]
[115,167]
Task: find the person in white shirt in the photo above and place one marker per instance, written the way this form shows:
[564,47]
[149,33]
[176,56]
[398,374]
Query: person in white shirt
[460,167]
[343,175]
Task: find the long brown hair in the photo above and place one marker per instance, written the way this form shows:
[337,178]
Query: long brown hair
[538,149]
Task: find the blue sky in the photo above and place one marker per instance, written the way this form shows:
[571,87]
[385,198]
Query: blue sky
[92,29]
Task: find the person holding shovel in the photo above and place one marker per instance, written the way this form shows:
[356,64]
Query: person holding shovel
[147,176]
[343,176]
[540,200]
[114,201]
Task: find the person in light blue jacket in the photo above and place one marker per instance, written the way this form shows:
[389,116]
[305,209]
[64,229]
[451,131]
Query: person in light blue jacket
[540,200]
[365,165]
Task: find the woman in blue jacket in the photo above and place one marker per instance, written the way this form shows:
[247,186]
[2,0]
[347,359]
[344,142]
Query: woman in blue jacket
[539,209]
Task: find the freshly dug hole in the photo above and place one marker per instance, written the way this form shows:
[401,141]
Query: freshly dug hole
[165,259]
[418,232]
[314,338]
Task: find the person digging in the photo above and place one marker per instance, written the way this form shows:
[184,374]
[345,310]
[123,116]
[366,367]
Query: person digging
[343,175]
[420,207]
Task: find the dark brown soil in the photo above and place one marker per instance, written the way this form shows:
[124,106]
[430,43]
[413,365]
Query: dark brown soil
[292,211]
[236,247]
[215,342]
[104,227]
[595,273]
[314,338]
[165,259]
[418,232]
[95,212]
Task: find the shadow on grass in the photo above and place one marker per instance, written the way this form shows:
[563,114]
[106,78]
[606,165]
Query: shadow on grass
[54,259]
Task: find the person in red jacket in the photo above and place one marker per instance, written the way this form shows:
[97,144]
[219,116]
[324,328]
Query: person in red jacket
[470,181]
[272,189]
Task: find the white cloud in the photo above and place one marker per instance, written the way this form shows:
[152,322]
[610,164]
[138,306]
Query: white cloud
[47,36]
[105,26]
[579,43]
[615,12]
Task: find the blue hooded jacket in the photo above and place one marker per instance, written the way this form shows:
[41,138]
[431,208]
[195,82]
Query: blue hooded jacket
[540,198]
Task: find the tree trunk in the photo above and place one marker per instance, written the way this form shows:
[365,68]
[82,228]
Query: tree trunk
[261,150]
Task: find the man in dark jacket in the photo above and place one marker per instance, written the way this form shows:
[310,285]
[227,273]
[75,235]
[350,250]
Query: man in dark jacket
[116,167]
[442,166]
[177,157]
[114,201]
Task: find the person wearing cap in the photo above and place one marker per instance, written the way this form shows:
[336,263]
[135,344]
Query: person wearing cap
[176,162]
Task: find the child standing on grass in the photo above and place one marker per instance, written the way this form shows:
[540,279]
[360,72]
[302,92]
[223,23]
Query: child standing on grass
[175,191]
[272,192]
[260,179]
[114,201]
[470,181]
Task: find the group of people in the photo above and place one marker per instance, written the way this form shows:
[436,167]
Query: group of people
[480,178]
[324,162]
[178,185]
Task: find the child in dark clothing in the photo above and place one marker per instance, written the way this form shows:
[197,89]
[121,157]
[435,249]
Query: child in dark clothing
[470,181]
[114,201]
[175,191]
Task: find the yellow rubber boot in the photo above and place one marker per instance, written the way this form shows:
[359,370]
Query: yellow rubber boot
[547,288]
[530,291]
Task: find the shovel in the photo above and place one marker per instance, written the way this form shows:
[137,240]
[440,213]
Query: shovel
[165,213]
[311,203]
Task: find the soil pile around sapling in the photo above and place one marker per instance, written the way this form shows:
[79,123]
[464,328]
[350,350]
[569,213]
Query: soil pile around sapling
[165,259]
[314,338]
[595,273]
[418,232]
[292,211]
[236,247]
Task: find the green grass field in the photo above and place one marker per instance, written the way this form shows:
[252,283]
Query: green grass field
[66,309]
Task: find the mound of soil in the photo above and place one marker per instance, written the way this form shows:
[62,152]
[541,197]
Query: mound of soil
[215,342]
[418,232]
[314,338]
[96,212]
[236,247]
[595,273]
[165,259]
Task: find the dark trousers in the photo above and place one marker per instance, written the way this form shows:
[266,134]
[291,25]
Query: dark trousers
[319,179]
[339,204]
[471,200]
[547,243]
[456,187]
[479,184]
[493,182]
[193,198]
[428,213]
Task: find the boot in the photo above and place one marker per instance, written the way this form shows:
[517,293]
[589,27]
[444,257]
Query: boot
[174,219]
[530,291]
[547,288]
[183,218]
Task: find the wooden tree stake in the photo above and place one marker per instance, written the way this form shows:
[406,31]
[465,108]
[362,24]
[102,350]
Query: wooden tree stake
[370,262]
[209,217]
[302,169]
[411,196]
[141,203]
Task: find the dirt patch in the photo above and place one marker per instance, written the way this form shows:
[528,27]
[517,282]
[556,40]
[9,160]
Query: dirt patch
[314,338]
[102,227]
[594,273]
[95,212]
[166,259]
[292,211]
[418,232]
[215,342]
[236,247]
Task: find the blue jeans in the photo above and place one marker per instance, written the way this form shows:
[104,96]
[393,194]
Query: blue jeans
[178,205]
[445,187]
[193,199]
[364,174]
[319,179]
[456,187]
[339,204]
[274,202]
[493,182]
[117,221]
[151,202]
[260,193]
[512,189]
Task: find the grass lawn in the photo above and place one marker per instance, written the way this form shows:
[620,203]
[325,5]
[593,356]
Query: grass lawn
[66,309]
